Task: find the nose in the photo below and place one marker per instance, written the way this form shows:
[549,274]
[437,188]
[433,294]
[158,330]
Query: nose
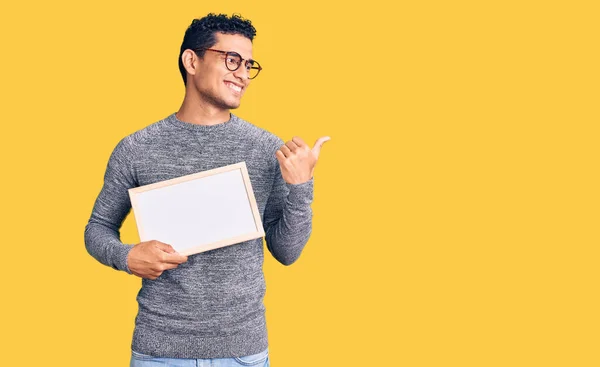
[242,73]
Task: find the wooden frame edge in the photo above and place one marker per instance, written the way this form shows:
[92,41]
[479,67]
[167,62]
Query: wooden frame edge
[259,233]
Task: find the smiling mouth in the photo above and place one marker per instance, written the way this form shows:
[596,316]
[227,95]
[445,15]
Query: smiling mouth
[235,88]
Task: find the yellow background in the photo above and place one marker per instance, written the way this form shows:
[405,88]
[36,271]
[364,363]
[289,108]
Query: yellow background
[456,206]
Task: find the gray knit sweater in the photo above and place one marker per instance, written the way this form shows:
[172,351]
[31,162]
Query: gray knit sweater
[212,305]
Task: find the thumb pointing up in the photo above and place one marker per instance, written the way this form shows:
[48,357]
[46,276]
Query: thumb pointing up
[316,150]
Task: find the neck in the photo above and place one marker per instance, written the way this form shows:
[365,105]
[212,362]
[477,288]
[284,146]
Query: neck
[196,111]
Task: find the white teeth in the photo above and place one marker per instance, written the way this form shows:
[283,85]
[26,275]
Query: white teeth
[234,87]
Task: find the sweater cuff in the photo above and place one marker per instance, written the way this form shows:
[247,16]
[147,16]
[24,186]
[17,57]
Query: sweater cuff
[302,193]
[121,253]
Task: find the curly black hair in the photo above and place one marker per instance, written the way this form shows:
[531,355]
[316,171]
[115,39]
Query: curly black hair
[201,33]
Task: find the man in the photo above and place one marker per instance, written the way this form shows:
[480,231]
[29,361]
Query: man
[207,306]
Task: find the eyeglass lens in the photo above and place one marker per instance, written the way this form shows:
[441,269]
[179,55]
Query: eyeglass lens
[233,61]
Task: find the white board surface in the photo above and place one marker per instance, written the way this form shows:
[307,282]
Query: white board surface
[198,212]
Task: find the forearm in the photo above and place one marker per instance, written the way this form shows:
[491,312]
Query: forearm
[104,244]
[287,236]
[101,235]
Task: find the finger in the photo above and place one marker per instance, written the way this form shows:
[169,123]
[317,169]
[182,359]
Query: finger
[174,258]
[299,142]
[290,144]
[169,266]
[319,143]
[280,156]
[161,267]
[165,247]
[153,275]
[285,150]
[157,268]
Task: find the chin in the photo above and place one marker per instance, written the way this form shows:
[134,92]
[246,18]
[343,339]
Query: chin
[233,105]
[226,105]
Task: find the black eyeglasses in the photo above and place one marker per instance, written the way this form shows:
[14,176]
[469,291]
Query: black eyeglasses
[233,61]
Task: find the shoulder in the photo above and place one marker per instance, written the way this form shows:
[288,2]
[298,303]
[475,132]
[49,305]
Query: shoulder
[267,140]
[157,130]
[139,139]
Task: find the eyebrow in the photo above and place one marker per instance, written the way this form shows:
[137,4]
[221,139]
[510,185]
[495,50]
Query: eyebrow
[250,59]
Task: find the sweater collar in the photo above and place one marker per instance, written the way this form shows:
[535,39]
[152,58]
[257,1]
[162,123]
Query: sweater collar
[172,119]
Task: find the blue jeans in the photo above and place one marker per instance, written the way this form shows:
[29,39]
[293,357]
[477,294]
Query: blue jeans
[142,360]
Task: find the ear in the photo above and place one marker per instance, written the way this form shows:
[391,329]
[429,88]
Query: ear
[189,60]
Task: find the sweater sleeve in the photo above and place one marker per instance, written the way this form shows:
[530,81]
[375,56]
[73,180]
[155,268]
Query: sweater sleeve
[102,232]
[288,217]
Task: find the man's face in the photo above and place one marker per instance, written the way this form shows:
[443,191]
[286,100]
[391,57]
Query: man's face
[215,83]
